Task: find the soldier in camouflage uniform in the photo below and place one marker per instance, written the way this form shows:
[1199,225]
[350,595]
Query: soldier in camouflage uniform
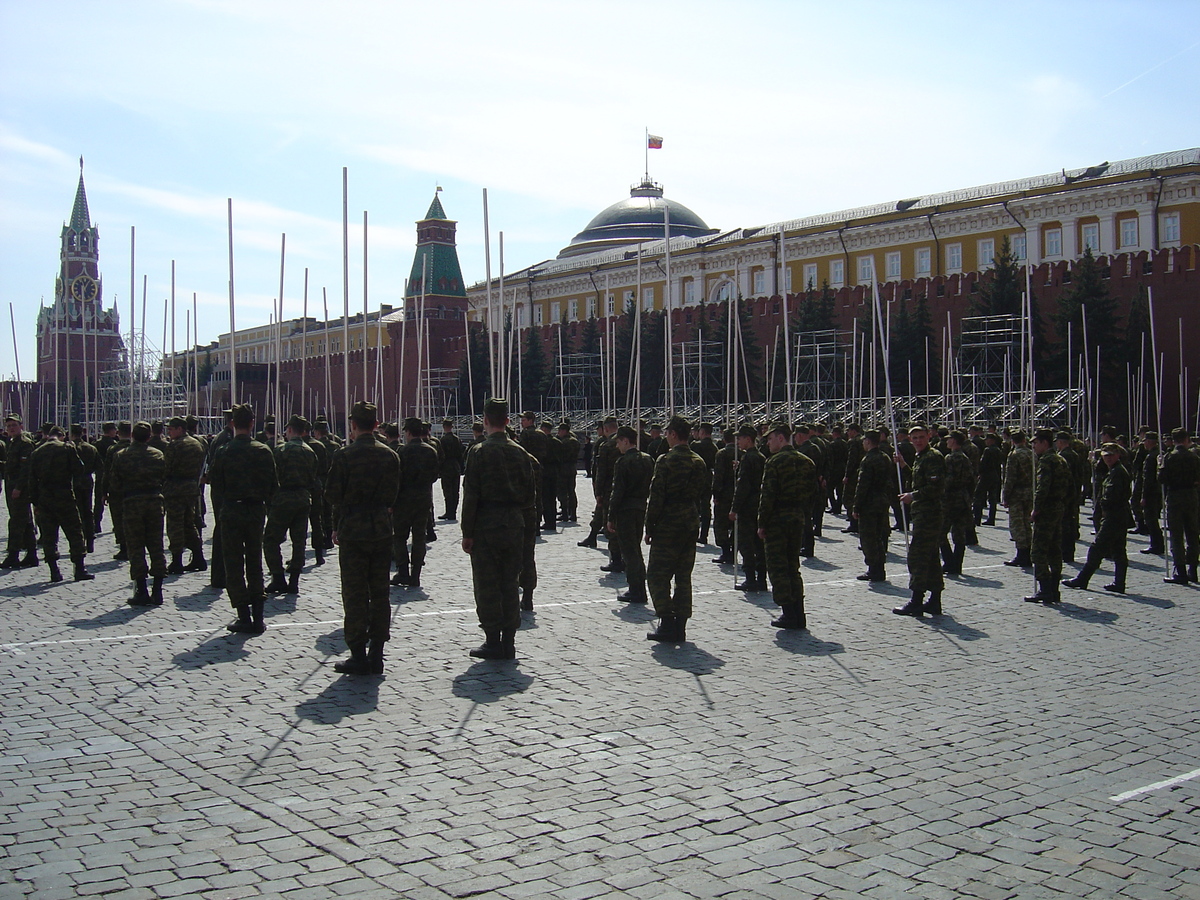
[185,457]
[1150,495]
[296,470]
[497,485]
[1017,497]
[837,451]
[568,466]
[1179,475]
[809,444]
[53,469]
[532,515]
[243,477]
[627,509]
[538,443]
[1052,485]
[604,457]
[924,501]
[704,447]
[1070,529]
[743,512]
[991,476]
[16,486]
[722,491]
[854,455]
[321,433]
[108,437]
[453,453]
[136,476]
[316,505]
[1110,541]
[679,491]
[84,484]
[419,468]
[784,512]
[217,576]
[115,500]
[957,491]
[870,502]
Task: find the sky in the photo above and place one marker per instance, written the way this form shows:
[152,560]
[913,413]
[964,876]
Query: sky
[769,109]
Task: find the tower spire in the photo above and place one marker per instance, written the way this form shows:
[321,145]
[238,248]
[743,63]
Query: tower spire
[80,219]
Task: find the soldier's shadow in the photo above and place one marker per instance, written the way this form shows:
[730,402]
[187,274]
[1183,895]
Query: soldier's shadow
[331,644]
[686,657]
[805,643]
[987,551]
[635,613]
[490,680]
[1160,602]
[949,625]
[820,565]
[350,695]
[886,587]
[220,648]
[1084,614]
[974,581]
[119,616]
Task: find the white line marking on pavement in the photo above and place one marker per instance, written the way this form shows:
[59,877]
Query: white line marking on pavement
[1157,786]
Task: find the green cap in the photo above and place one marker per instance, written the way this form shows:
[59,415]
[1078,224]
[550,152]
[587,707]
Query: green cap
[496,408]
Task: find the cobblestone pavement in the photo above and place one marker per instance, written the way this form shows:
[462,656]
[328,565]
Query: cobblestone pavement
[982,754]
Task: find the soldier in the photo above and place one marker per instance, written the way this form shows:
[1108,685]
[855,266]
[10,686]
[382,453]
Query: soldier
[477,437]
[679,490]
[657,446]
[722,491]
[1053,484]
[364,479]
[321,433]
[991,477]
[531,514]
[1179,475]
[743,513]
[453,453]
[627,509]
[1017,497]
[414,503]
[568,467]
[181,492]
[157,441]
[1150,495]
[904,446]
[136,476]
[704,447]
[537,443]
[53,470]
[84,484]
[1110,540]
[217,577]
[837,452]
[549,484]
[784,509]
[16,484]
[497,484]
[802,438]
[1137,468]
[957,488]
[854,455]
[604,457]
[316,506]
[243,477]
[871,501]
[1070,528]
[923,499]
[108,437]
[296,472]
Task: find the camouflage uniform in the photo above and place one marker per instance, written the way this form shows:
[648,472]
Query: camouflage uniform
[1179,475]
[1070,526]
[217,563]
[785,514]
[722,493]
[84,487]
[1110,542]
[181,494]
[531,513]
[747,491]
[1018,497]
[116,503]
[854,455]
[1051,491]
[243,477]
[453,453]
[707,451]
[296,472]
[627,512]
[1152,502]
[568,466]
[414,504]
[837,452]
[538,445]
[957,492]
[816,510]
[928,472]
[364,479]
[875,485]
[987,487]
[53,468]
[136,476]
[20,513]
[102,445]
[498,483]
[679,491]
[316,505]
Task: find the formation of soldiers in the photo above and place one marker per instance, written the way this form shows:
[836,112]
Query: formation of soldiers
[761,491]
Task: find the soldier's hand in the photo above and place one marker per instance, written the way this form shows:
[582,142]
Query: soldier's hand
[335,538]
[906,498]
[901,462]
[762,534]
[733,517]
[16,492]
[647,539]
[854,515]
[467,544]
[610,527]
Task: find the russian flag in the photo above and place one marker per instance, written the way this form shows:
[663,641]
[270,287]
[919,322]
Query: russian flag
[653,142]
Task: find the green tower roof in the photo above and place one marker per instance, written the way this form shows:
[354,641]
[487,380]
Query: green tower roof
[80,220]
[435,209]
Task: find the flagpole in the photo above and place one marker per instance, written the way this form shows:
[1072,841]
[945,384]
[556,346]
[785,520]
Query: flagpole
[345,294]
[304,349]
[364,324]
[489,322]
[670,306]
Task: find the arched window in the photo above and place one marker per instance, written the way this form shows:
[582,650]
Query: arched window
[722,291]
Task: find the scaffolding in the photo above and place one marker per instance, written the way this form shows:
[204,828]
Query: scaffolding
[698,381]
[988,354]
[577,383]
[818,368]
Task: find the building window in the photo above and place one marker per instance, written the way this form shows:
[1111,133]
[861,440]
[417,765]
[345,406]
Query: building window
[1054,242]
[923,262]
[538,312]
[987,253]
[954,257]
[810,276]
[573,310]
[1129,232]
[866,269]
[647,299]
[837,273]
[787,278]
[591,307]
[628,304]
[689,291]
[522,321]
[893,265]
[1170,227]
[760,282]
[1017,242]
[610,305]
[556,311]
[1091,237]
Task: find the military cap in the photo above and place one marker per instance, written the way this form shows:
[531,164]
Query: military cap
[802,428]
[679,424]
[1063,436]
[627,433]
[13,417]
[1150,436]
[298,423]
[782,428]
[446,422]
[1044,434]
[854,426]
[1180,434]
[477,426]
[872,435]
[364,409]
[76,428]
[706,426]
[610,420]
[728,434]
[141,431]
[108,426]
[243,415]
[546,423]
[496,407]
[656,427]
[1017,434]
[917,427]
[564,425]
[391,429]
[46,426]
[413,425]
[270,417]
[530,415]
[943,431]
[228,413]
[177,422]
[190,421]
[321,420]
[992,436]
[747,431]
[959,435]
[1110,449]
[56,430]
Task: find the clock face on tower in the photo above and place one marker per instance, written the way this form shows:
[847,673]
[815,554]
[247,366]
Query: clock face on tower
[83,288]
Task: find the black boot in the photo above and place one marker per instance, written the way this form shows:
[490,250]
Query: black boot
[55,574]
[933,606]
[1046,593]
[1022,559]
[30,561]
[1153,550]
[852,528]
[244,621]
[1118,582]
[156,597]
[1180,577]
[414,579]
[12,561]
[751,582]
[1079,581]
[198,563]
[665,632]
[358,663]
[375,657]
[589,541]
[726,557]
[319,552]
[508,644]
[491,648]
[1192,574]
[614,567]
[278,584]
[122,555]
[915,607]
[141,594]
[401,576]
[792,618]
[176,566]
[258,622]
[635,594]
[82,574]
[526,599]
[293,585]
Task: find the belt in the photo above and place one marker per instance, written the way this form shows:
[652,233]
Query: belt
[247,502]
[130,494]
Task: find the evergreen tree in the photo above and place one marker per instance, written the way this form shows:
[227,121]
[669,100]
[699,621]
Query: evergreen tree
[1088,295]
[623,353]
[589,337]
[654,327]
[478,375]
[534,371]
[1000,295]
